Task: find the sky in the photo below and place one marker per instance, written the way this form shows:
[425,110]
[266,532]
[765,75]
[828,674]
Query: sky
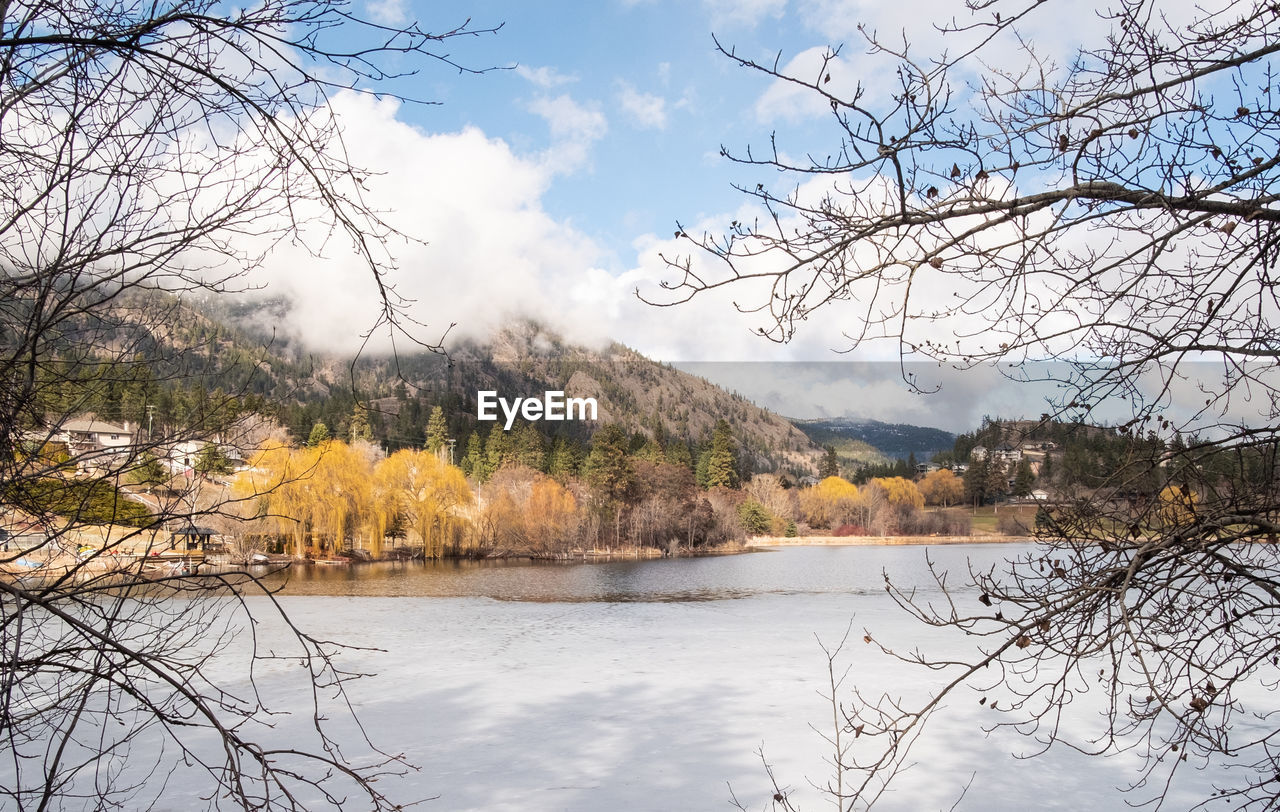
[551,186]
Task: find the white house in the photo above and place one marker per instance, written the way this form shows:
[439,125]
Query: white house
[94,443]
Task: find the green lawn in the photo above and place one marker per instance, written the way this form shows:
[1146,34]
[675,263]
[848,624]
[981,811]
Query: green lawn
[986,517]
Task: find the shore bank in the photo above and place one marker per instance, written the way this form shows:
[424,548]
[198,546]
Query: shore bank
[879,541]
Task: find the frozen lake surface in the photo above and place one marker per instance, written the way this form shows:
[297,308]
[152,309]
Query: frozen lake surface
[654,684]
[650,685]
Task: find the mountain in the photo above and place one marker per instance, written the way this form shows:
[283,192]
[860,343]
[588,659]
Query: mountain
[233,349]
[865,442]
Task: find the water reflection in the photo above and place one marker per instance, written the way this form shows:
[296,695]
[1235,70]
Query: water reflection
[807,570]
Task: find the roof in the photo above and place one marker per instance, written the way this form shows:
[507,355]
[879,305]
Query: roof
[189,529]
[91,425]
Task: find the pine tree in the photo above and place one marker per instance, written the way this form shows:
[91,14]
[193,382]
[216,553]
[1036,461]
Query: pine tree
[437,431]
[1023,479]
[497,451]
[358,426]
[529,449]
[607,466]
[1046,469]
[319,435]
[975,481]
[722,468]
[473,460]
[997,479]
[566,459]
[830,464]
[678,453]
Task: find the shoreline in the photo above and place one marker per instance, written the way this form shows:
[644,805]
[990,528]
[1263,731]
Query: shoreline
[879,541]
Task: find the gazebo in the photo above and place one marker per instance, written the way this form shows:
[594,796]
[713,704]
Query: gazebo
[193,537]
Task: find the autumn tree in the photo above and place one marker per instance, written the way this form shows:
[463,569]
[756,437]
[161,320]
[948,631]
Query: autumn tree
[276,484]
[551,515]
[832,502]
[339,490]
[942,487]
[433,495]
[893,503]
[780,502]
[1113,212]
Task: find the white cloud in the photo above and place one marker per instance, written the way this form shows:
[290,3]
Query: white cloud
[742,13]
[488,250]
[388,12]
[544,77]
[574,129]
[788,101]
[645,109]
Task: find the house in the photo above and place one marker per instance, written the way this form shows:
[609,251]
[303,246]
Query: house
[1007,454]
[87,433]
[94,443]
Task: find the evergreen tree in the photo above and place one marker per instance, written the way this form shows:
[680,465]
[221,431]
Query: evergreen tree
[975,481]
[755,517]
[652,452]
[830,463]
[701,468]
[149,471]
[212,460]
[997,479]
[607,466]
[1023,479]
[437,431]
[473,459]
[358,426]
[566,459]
[722,468]
[1046,470]
[529,449]
[678,453]
[319,435]
[659,432]
[497,451]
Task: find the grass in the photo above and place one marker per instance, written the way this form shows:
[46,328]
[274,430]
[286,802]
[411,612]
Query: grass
[986,518]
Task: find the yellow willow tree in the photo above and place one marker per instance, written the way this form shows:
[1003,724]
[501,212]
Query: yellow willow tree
[942,487]
[432,494]
[831,502]
[900,492]
[385,504]
[339,490]
[278,478]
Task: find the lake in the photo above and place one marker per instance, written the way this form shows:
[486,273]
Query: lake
[652,685]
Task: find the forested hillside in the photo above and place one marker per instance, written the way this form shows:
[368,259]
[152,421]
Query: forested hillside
[215,351]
